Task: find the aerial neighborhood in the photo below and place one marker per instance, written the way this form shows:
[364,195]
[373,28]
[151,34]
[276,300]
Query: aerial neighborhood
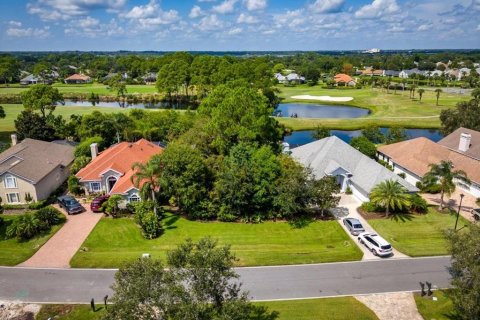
[239,159]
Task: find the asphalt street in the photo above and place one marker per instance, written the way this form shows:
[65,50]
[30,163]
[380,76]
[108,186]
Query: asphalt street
[263,283]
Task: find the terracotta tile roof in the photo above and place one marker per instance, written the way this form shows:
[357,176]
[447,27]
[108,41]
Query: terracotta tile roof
[342,77]
[77,76]
[453,139]
[417,154]
[120,158]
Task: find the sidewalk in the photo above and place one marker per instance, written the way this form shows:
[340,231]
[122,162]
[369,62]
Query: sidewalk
[59,250]
[348,208]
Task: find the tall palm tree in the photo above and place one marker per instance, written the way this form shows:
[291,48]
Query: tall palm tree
[444,174]
[390,194]
[146,176]
[420,93]
[438,91]
[413,87]
[404,82]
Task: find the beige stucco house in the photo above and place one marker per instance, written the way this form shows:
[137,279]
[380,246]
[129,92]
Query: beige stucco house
[33,167]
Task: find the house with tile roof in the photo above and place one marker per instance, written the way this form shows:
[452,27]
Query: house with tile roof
[111,170]
[78,79]
[352,169]
[33,167]
[413,157]
[344,79]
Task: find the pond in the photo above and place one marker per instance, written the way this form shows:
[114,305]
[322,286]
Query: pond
[309,110]
[299,138]
[116,104]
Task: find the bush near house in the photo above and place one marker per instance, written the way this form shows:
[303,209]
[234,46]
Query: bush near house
[31,224]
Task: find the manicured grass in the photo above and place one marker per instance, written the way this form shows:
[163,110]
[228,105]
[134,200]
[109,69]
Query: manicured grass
[114,241]
[442,309]
[344,308]
[387,109]
[69,312]
[418,235]
[13,252]
[96,88]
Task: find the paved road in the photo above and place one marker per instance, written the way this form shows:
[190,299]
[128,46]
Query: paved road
[264,283]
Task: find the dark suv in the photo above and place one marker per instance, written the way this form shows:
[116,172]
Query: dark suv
[97,203]
[70,204]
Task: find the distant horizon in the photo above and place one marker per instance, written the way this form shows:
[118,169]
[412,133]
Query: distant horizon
[237,25]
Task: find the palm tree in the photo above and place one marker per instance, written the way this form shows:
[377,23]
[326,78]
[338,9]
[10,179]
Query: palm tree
[146,176]
[443,174]
[404,82]
[420,93]
[390,194]
[438,91]
[413,87]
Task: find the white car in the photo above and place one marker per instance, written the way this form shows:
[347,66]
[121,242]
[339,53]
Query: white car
[375,243]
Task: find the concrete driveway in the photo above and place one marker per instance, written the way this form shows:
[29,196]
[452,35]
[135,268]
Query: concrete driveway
[348,208]
[59,250]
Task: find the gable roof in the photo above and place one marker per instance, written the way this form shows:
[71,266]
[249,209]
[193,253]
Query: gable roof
[330,154]
[77,76]
[31,77]
[453,139]
[342,77]
[120,158]
[417,154]
[33,160]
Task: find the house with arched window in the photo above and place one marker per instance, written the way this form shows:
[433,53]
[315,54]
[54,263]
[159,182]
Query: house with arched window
[111,171]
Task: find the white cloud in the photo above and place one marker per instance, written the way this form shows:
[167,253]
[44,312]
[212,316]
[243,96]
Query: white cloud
[424,27]
[13,23]
[227,6]
[92,28]
[377,9]
[210,23]
[234,31]
[245,18]
[38,33]
[252,5]
[150,15]
[196,12]
[71,7]
[478,27]
[327,6]
[88,22]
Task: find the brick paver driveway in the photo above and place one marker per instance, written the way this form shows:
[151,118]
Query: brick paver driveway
[58,251]
[452,201]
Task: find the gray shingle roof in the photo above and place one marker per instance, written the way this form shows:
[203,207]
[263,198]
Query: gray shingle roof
[328,154]
[34,159]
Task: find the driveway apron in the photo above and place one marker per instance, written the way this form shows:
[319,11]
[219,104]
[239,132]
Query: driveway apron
[62,246]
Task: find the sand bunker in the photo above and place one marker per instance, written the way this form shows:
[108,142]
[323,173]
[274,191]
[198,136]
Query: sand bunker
[323,98]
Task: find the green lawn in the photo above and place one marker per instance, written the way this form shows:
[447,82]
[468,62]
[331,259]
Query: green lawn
[114,241]
[387,109]
[96,88]
[418,235]
[442,309]
[13,252]
[330,308]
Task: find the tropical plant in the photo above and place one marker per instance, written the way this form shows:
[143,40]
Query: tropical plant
[420,93]
[146,177]
[74,185]
[390,195]
[444,175]
[24,227]
[111,206]
[2,113]
[438,91]
[49,216]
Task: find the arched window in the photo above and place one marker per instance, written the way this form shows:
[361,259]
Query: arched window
[111,182]
[134,198]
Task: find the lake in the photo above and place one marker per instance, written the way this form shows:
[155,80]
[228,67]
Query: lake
[299,138]
[310,110]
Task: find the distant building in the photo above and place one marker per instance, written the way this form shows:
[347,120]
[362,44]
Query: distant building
[31,79]
[150,77]
[290,78]
[372,72]
[344,79]
[390,73]
[77,79]
[405,74]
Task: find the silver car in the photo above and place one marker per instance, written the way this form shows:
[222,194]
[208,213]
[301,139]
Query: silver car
[353,225]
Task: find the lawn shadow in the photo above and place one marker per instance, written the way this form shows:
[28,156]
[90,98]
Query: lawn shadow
[301,222]
[97,309]
[170,221]
[402,217]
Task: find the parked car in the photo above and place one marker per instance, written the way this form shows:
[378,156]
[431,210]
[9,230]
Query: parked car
[353,225]
[70,204]
[376,244]
[476,214]
[97,203]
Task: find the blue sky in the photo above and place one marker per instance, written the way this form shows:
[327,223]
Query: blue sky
[170,25]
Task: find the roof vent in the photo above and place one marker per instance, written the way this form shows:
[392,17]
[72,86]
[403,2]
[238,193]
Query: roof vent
[464,144]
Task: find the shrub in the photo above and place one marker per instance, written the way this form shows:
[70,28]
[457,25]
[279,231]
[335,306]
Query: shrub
[28,197]
[151,225]
[432,188]
[14,206]
[402,175]
[83,149]
[370,207]
[418,204]
[24,227]
[74,185]
[37,205]
[49,216]
[348,190]
[385,164]
[1,221]
[79,163]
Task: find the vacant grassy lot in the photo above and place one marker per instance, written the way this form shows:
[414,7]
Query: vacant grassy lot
[331,308]
[13,252]
[387,109]
[418,235]
[96,88]
[114,241]
[442,309]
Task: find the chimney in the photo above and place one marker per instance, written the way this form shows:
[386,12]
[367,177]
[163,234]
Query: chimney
[14,139]
[94,150]
[465,139]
